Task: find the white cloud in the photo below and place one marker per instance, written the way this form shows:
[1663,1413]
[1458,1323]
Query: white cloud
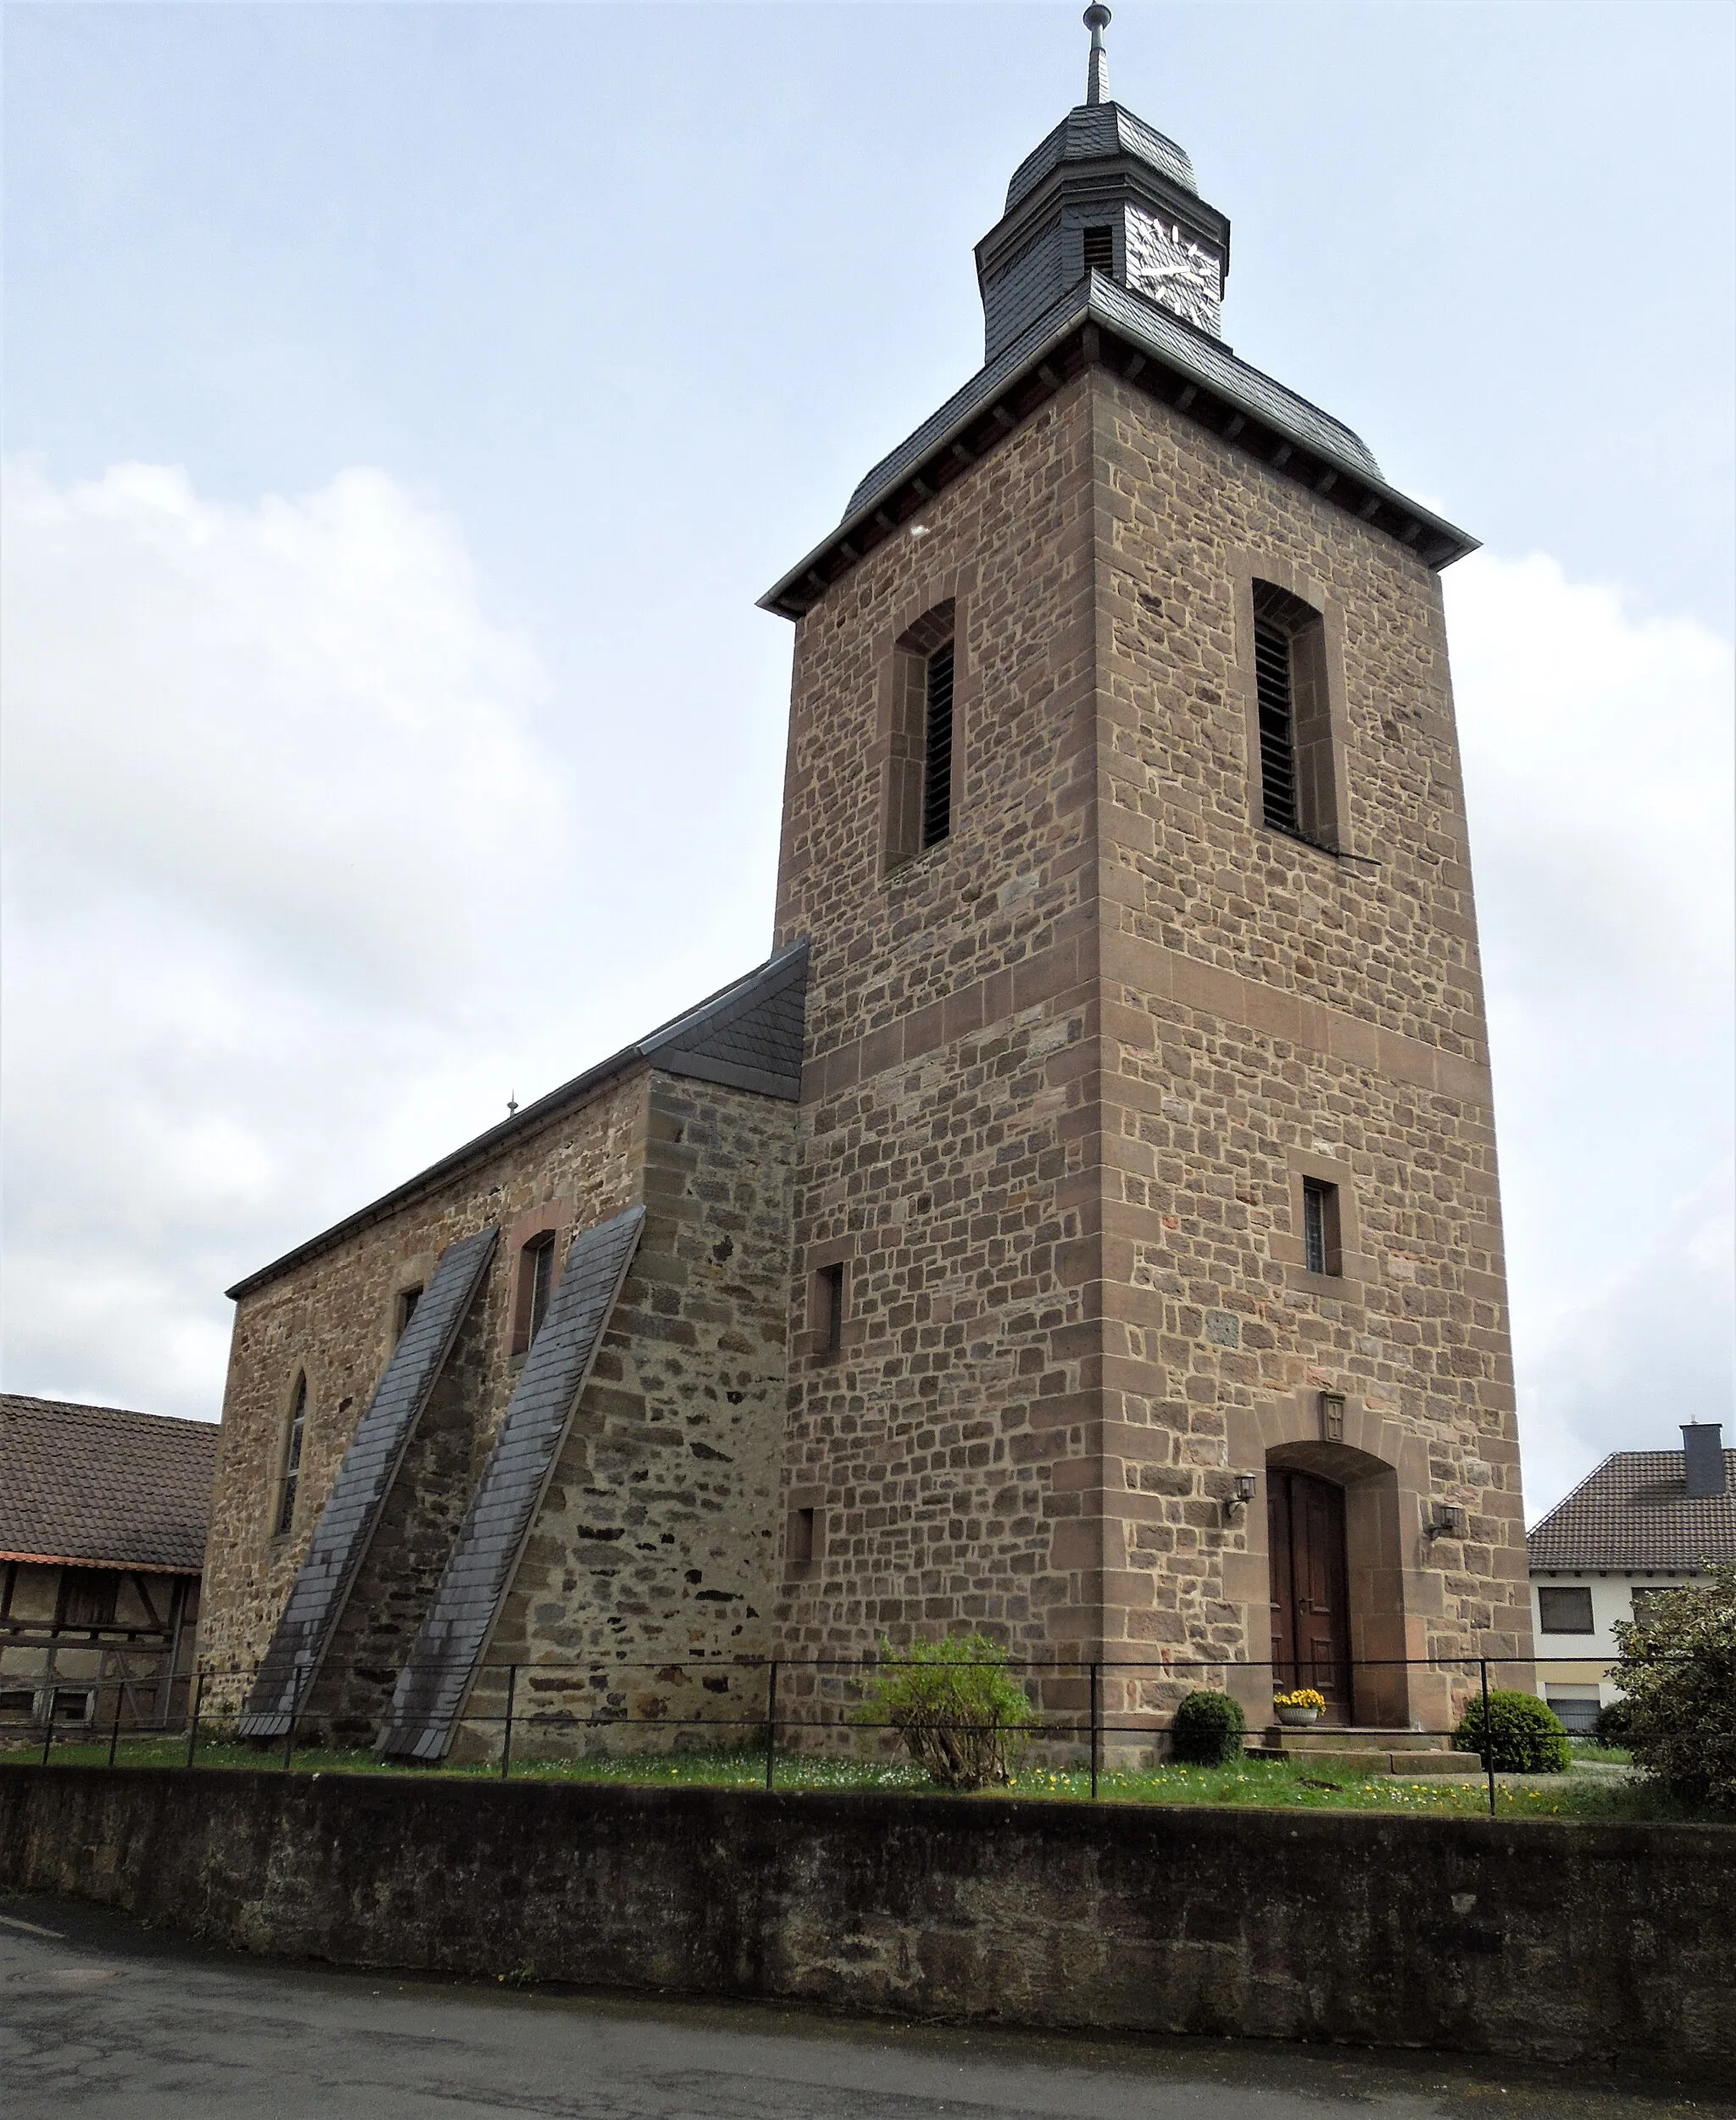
[1598,764]
[274,807]
[290,724]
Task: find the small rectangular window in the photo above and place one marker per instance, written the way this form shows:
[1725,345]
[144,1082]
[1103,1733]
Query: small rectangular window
[70,1706]
[18,1700]
[1575,1712]
[1564,1611]
[1100,250]
[938,749]
[407,1302]
[831,1290]
[1645,1604]
[800,1545]
[1320,1227]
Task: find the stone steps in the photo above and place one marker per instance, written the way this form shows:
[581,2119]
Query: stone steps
[1365,1760]
[1352,1750]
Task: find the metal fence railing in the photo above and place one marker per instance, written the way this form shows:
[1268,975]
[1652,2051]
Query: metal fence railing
[1092,1712]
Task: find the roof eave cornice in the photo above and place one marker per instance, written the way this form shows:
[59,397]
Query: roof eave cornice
[1083,336]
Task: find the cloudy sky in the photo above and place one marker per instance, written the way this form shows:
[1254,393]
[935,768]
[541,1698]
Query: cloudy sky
[406,403]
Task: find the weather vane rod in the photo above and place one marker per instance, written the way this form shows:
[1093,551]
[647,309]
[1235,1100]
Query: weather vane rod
[1096,79]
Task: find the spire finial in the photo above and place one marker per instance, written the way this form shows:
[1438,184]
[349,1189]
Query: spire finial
[1097,79]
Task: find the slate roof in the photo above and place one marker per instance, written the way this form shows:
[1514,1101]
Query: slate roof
[435,1684]
[746,1036]
[104,1487]
[1195,372]
[308,1620]
[1633,1513]
[1091,132]
[1206,359]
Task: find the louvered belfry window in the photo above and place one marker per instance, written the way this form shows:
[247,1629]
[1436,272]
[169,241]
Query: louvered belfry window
[922,736]
[938,749]
[1278,726]
[1298,792]
[1100,251]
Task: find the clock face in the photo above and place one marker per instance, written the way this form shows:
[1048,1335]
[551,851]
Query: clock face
[1164,263]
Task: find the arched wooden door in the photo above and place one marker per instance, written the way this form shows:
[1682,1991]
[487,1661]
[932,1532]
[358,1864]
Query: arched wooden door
[1311,1615]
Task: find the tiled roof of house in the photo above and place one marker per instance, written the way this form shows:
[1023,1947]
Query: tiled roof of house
[104,1487]
[1634,1512]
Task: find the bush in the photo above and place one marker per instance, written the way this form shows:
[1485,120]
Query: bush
[1208,1730]
[963,1718]
[1678,1672]
[1613,1726]
[1525,1734]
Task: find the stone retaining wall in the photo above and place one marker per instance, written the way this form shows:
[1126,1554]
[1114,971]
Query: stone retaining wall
[1557,1940]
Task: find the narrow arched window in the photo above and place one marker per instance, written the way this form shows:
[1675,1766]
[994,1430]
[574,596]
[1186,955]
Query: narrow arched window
[938,747]
[1298,781]
[293,1435]
[536,1284]
[921,739]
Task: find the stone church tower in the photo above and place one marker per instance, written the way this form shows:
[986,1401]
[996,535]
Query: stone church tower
[1083,1227]
[1149,1299]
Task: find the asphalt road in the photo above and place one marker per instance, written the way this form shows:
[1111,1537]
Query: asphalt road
[99,2018]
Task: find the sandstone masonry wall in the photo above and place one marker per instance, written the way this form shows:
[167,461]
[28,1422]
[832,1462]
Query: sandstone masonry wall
[1271,1008]
[948,1153]
[655,1540]
[655,1543]
[1068,1068]
[334,1316]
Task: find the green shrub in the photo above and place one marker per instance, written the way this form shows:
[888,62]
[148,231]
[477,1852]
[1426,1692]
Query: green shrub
[1614,1724]
[1678,1672]
[1525,1734]
[963,1718]
[1208,1730]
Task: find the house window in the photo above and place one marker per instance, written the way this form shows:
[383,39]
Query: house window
[1298,786]
[73,1704]
[407,1302]
[1577,1711]
[1100,251]
[1320,1250]
[799,1547]
[938,749]
[829,1292]
[535,1285]
[1564,1611]
[292,1456]
[18,1700]
[1645,1603]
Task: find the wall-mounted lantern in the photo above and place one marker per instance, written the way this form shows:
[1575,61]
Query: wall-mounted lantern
[1246,1488]
[1445,1520]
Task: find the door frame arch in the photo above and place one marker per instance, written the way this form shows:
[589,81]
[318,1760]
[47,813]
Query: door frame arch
[1381,1468]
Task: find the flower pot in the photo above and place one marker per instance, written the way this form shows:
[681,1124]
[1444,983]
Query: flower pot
[1297,1718]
